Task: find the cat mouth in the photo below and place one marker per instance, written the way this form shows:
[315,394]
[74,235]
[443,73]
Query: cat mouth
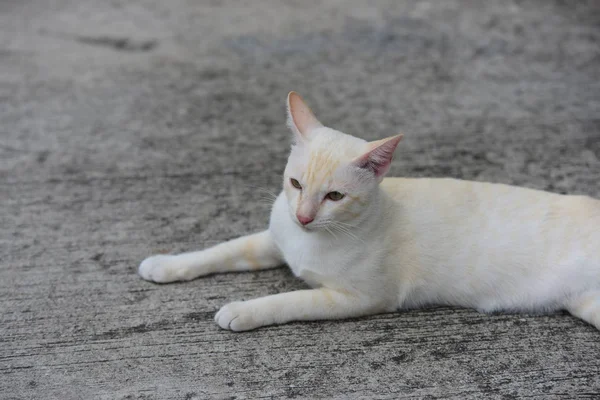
[308,227]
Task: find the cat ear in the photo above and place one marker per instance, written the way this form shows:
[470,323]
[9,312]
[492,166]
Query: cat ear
[379,157]
[300,119]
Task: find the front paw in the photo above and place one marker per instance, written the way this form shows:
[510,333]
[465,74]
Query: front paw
[238,316]
[162,268]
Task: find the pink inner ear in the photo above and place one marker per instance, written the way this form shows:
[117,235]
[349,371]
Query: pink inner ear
[379,158]
[300,116]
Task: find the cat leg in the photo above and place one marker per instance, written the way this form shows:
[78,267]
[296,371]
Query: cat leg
[587,307]
[301,305]
[252,252]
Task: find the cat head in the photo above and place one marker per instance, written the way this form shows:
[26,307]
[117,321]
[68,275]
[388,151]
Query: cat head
[331,177]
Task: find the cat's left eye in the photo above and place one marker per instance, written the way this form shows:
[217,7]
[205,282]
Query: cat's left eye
[335,196]
[295,183]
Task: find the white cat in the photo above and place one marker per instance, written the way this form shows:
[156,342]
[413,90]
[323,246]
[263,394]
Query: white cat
[370,245]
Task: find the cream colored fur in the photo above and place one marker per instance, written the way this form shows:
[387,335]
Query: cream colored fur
[397,243]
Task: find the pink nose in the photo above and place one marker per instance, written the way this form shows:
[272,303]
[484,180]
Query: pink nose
[304,220]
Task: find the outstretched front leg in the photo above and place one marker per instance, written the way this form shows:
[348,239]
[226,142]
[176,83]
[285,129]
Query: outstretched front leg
[301,305]
[252,252]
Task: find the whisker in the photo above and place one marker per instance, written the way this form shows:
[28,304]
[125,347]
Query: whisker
[268,203]
[345,224]
[261,189]
[345,230]
[330,231]
[267,199]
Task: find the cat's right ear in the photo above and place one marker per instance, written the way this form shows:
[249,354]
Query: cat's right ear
[301,120]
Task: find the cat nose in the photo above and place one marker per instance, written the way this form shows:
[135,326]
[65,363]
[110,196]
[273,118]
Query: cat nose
[304,220]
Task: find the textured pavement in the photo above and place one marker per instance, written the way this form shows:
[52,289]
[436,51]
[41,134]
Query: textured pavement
[134,127]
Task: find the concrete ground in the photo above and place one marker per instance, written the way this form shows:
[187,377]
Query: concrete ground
[132,127]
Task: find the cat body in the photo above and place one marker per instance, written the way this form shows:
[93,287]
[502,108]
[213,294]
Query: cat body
[368,244]
[454,242]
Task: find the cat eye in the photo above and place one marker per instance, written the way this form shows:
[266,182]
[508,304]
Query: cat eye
[335,196]
[295,183]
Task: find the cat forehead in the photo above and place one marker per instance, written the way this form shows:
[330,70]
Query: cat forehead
[322,159]
[327,144]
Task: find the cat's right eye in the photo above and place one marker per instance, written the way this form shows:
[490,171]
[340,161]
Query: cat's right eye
[295,183]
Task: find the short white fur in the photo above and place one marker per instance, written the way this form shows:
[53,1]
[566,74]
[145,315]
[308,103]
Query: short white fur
[398,243]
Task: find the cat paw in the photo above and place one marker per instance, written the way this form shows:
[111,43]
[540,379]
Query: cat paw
[237,316]
[160,268]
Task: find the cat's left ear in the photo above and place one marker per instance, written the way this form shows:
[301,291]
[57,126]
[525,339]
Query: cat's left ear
[378,158]
[301,120]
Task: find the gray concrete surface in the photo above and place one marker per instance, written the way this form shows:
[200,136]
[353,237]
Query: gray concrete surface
[135,127]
